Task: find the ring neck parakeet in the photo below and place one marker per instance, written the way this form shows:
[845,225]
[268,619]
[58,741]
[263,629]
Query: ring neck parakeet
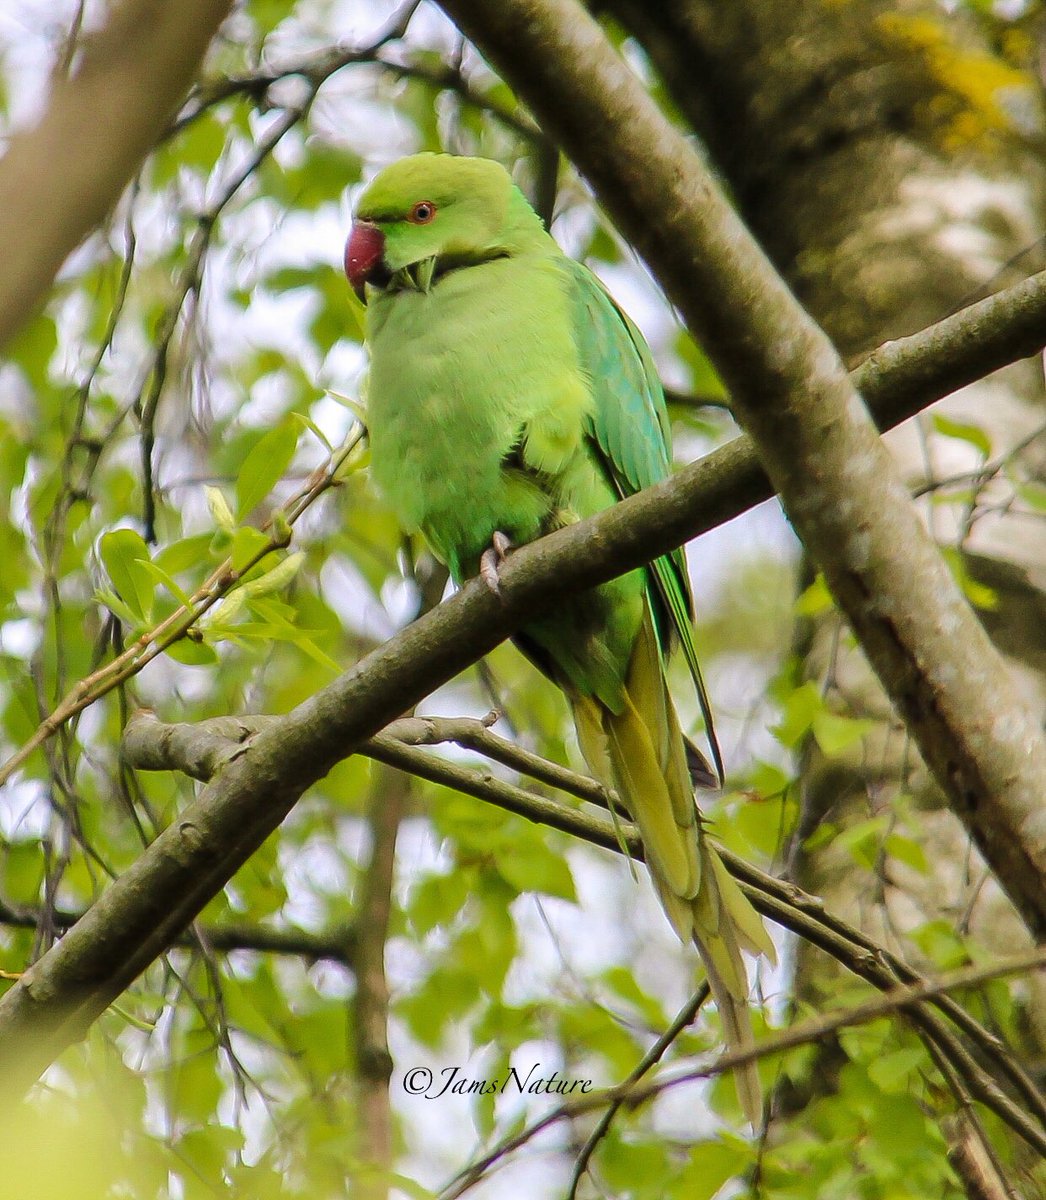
[507,396]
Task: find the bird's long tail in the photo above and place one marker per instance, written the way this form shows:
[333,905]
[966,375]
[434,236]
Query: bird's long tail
[641,753]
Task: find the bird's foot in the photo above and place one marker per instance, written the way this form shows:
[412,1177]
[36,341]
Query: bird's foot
[491,560]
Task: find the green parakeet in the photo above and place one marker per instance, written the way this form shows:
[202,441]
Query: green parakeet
[507,396]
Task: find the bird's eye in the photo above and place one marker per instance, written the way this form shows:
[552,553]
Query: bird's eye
[423,212]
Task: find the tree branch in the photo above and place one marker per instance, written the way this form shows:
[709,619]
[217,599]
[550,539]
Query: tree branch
[226,937]
[898,380]
[686,1016]
[634,1093]
[389,794]
[813,433]
[975,1164]
[780,901]
[315,68]
[143,911]
[60,179]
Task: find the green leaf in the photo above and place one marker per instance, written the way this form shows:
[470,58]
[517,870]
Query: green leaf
[535,868]
[202,142]
[941,945]
[710,1165]
[800,708]
[1032,493]
[863,840]
[221,513]
[908,851]
[768,779]
[892,1071]
[267,14]
[765,821]
[264,466]
[197,1086]
[634,1167]
[704,379]
[220,618]
[325,173]
[410,1188]
[438,899]
[185,554]
[486,949]
[973,434]
[814,600]
[22,871]
[192,653]
[277,577]
[445,996]
[162,577]
[357,409]
[247,542]
[289,279]
[901,1132]
[836,733]
[32,349]
[864,1042]
[123,553]
[978,594]
[622,982]
[117,607]
[280,628]
[311,425]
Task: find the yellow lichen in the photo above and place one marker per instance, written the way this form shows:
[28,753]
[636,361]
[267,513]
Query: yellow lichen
[972,101]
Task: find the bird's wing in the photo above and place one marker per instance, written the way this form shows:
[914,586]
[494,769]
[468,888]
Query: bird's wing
[629,433]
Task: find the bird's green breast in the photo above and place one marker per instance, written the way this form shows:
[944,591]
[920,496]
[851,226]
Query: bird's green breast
[477,411]
[467,382]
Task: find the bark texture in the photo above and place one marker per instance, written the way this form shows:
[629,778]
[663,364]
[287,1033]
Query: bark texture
[886,196]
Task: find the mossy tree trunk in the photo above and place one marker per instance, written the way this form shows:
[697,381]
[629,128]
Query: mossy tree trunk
[888,161]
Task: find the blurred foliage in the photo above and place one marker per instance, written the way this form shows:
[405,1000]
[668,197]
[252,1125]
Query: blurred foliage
[235,379]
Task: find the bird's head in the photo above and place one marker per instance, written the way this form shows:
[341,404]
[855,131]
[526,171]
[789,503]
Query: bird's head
[430,213]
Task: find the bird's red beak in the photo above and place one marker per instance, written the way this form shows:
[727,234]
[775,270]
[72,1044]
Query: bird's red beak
[363,253]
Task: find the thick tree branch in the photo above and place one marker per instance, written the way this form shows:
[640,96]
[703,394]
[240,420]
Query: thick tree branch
[143,911]
[898,380]
[165,746]
[814,435]
[59,179]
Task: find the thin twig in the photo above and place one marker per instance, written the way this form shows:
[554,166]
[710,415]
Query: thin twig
[316,69]
[804,1033]
[473,734]
[227,937]
[686,1016]
[154,641]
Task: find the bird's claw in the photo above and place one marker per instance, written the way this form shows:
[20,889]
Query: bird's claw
[491,560]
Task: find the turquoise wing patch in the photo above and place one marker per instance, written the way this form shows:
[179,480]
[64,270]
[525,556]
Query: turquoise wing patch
[630,433]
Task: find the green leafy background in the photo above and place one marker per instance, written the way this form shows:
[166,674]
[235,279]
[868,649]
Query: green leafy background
[234,1073]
